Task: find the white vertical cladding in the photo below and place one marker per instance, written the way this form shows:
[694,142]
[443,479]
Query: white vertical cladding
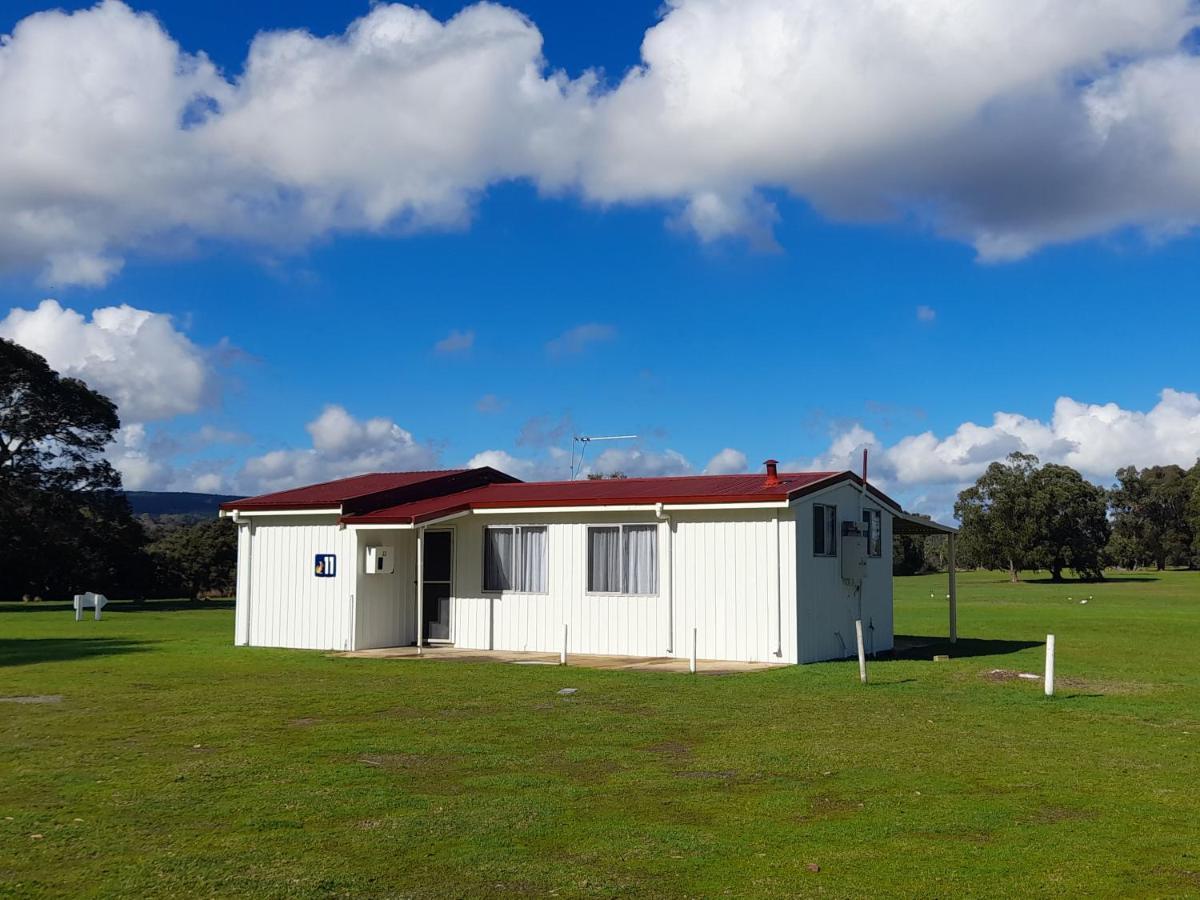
[525,621]
[385,612]
[289,605]
[725,584]
[241,617]
[733,587]
[828,606]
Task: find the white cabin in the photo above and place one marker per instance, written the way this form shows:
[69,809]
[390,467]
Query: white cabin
[766,568]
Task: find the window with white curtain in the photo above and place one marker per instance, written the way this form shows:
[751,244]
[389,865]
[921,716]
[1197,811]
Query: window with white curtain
[622,559]
[514,558]
[824,530]
[872,518]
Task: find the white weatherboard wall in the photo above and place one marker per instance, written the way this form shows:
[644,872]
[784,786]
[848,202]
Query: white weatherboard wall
[386,605]
[745,579]
[725,583]
[828,606]
[281,603]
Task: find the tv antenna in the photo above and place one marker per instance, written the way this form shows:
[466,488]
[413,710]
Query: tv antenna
[583,440]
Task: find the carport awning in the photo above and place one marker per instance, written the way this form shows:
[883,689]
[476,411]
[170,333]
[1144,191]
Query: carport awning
[907,523]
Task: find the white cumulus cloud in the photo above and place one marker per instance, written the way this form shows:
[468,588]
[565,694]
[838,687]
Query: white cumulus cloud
[1005,125]
[1094,438]
[135,357]
[641,463]
[726,462]
[342,445]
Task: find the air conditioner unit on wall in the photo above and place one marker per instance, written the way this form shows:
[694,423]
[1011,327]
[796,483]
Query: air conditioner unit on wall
[379,561]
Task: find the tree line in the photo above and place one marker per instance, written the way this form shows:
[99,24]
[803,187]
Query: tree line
[1023,514]
[68,527]
[66,524]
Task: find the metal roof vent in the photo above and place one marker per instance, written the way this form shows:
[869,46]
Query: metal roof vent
[772,472]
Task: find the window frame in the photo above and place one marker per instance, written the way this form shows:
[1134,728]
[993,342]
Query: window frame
[826,554]
[873,519]
[496,592]
[620,526]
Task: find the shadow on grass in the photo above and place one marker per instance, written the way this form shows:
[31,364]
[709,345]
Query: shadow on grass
[120,606]
[26,651]
[1108,579]
[911,646]
[169,606]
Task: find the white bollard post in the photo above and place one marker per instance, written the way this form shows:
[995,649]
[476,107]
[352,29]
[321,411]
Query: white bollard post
[78,607]
[562,657]
[97,602]
[1049,665]
[862,652]
[692,661]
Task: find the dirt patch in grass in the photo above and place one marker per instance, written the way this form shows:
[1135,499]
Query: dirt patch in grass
[407,761]
[1088,686]
[671,749]
[304,722]
[1070,684]
[34,698]
[1011,675]
[1051,815]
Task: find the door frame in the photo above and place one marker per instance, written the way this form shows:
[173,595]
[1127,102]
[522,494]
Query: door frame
[424,639]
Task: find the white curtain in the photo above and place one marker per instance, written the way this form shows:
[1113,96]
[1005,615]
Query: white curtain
[604,560]
[497,559]
[871,517]
[641,559]
[831,530]
[531,573]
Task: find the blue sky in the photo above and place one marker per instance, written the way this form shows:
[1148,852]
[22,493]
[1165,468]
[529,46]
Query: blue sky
[839,324]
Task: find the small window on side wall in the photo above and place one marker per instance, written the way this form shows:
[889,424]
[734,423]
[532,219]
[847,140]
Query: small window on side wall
[824,530]
[873,520]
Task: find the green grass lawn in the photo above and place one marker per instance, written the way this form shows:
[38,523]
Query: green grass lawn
[175,764]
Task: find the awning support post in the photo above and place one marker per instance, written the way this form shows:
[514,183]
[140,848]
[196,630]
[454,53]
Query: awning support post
[420,587]
[953,590]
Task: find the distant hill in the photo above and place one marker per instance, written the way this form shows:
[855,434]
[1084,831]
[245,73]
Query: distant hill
[176,503]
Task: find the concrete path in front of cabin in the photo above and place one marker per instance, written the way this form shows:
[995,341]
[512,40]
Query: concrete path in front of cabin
[577,660]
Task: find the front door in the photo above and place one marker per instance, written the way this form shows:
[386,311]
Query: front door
[439,563]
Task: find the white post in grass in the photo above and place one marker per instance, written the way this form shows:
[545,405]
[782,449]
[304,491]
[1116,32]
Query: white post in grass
[862,652]
[79,607]
[1049,665]
[692,661]
[562,657]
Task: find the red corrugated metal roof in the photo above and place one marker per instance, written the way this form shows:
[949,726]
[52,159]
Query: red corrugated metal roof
[360,488]
[697,489]
[415,497]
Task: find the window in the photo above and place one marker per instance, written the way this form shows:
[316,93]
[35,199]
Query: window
[872,519]
[824,530]
[514,558]
[622,559]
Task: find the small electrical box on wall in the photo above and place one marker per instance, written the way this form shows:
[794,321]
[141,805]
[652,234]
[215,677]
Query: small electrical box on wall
[854,553]
[379,561]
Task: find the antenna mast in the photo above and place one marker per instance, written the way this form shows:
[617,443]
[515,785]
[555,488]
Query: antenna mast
[583,440]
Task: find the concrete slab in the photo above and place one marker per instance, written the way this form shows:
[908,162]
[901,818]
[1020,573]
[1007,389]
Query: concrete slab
[576,660]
